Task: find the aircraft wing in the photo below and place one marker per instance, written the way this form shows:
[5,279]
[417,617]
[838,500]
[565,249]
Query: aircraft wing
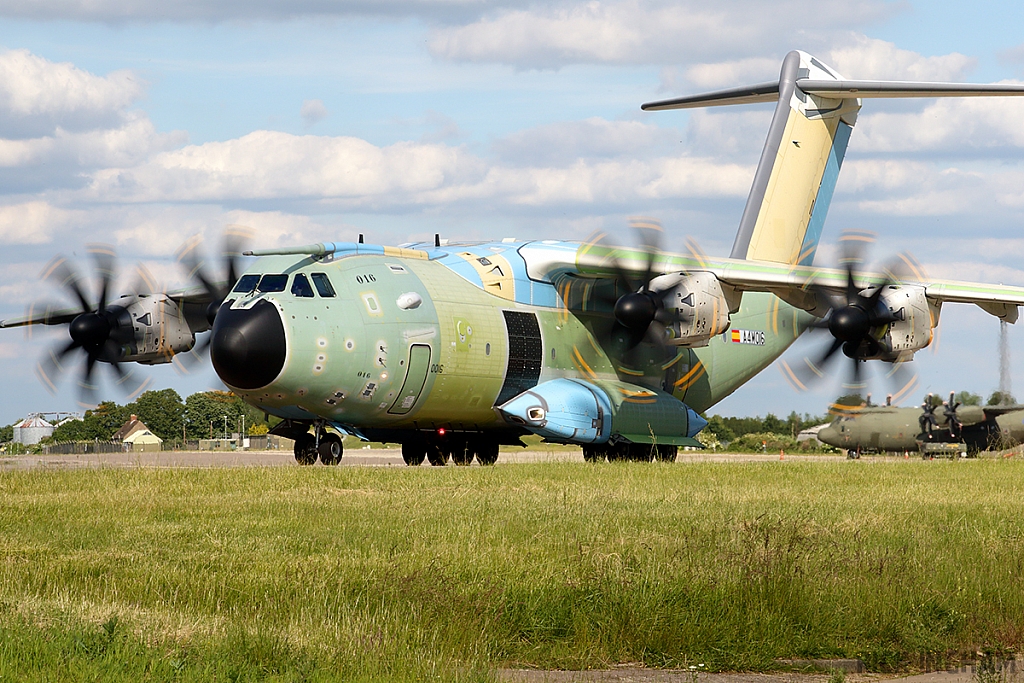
[192,302]
[805,287]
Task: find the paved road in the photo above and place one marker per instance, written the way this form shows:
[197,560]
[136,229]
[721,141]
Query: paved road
[362,457]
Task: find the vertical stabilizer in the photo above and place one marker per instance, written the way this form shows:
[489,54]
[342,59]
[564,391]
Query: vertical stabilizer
[799,165]
[816,111]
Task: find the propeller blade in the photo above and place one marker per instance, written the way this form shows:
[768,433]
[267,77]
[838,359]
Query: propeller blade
[105,259]
[60,272]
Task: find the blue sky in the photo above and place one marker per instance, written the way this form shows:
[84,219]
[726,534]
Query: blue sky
[140,124]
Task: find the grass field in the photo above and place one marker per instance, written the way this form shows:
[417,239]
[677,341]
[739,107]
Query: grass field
[310,574]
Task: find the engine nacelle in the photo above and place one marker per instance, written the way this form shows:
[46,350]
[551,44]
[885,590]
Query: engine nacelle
[912,331]
[701,304]
[153,330]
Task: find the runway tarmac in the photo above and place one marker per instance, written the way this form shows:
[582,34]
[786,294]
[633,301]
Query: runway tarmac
[378,457]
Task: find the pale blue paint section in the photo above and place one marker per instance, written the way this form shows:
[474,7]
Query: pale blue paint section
[562,410]
[825,191]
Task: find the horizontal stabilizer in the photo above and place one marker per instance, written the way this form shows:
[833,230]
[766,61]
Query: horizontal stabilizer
[837,90]
[864,89]
[750,94]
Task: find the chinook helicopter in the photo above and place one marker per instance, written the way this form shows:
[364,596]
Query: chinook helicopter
[451,349]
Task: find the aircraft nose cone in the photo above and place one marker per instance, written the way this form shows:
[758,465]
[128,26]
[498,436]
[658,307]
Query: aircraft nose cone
[248,347]
[829,435]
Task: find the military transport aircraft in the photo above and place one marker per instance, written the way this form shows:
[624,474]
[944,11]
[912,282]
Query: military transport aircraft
[891,428]
[452,349]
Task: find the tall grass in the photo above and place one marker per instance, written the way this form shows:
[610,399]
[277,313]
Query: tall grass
[413,574]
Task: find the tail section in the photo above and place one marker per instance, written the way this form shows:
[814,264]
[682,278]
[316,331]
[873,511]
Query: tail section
[796,176]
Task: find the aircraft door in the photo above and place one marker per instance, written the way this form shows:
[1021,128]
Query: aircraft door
[415,378]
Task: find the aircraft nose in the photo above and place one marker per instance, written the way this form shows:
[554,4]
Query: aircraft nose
[829,435]
[248,347]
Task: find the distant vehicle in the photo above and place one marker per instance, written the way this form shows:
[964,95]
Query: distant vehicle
[868,429]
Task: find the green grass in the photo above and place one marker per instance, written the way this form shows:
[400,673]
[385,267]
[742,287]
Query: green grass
[308,574]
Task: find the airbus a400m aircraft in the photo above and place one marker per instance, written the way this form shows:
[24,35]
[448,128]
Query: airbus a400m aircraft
[452,349]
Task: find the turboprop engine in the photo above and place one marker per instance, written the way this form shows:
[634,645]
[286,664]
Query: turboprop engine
[912,319]
[575,411]
[702,310]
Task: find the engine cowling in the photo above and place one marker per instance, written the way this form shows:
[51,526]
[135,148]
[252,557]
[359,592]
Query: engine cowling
[701,305]
[153,330]
[912,329]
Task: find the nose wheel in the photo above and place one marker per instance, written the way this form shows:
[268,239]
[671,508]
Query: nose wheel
[305,450]
[330,449]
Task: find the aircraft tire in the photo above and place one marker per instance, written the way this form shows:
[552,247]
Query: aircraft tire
[593,453]
[437,454]
[305,450]
[330,449]
[667,453]
[414,453]
[462,453]
[487,452]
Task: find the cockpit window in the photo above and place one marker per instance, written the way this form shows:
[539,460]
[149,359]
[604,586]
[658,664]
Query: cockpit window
[301,286]
[246,283]
[272,283]
[323,285]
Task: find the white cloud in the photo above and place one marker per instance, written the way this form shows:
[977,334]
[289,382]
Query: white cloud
[988,125]
[38,97]
[121,11]
[870,58]
[32,222]
[351,173]
[644,31]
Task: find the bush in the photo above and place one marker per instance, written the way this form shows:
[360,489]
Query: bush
[762,441]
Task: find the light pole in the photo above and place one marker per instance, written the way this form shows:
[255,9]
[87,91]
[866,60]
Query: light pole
[225,426]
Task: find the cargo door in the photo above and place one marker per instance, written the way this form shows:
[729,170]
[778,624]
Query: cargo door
[415,377]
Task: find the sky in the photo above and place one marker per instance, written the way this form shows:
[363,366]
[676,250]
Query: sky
[141,124]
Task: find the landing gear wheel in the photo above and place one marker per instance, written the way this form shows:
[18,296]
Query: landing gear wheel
[640,452]
[487,452]
[305,450]
[414,453]
[462,453]
[330,449]
[667,453]
[593,453]
[437,454]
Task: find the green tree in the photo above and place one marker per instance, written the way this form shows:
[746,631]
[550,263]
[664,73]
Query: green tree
[208,412]
[999,398]
[162,411]
[966,398]
[6,433]
[774,425]
[850,400]
[100,423]
[718,427]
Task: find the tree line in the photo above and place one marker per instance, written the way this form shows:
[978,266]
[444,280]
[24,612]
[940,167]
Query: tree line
[203,415]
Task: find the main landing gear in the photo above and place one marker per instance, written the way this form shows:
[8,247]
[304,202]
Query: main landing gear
[635,452]
[460,450]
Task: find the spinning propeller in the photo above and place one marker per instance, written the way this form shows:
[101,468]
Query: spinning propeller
[640,315]
[98,330]
[930,422]
[855,320]
[189,255]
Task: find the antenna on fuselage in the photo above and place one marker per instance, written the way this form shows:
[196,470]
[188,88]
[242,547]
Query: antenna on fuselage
[437,239]
[360,238]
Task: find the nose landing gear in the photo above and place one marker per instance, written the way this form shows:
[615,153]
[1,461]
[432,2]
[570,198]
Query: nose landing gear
[325,445]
